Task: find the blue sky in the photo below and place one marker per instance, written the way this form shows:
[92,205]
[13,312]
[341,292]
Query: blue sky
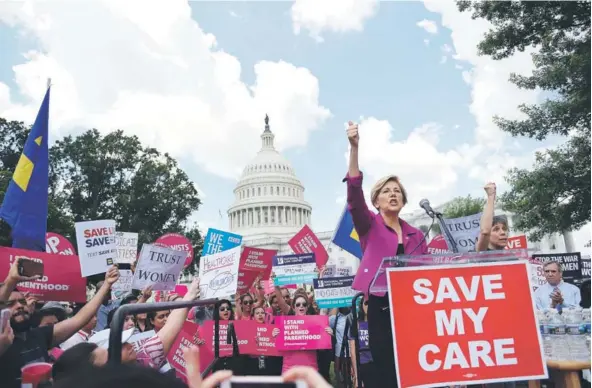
[196,79]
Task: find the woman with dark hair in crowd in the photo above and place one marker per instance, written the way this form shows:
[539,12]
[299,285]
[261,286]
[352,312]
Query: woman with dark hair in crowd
[494,229]
[381,235]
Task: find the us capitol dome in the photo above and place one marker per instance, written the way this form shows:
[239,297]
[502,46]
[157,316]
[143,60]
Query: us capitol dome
[269,206]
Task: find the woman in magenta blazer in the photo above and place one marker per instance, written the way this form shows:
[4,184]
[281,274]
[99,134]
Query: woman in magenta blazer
[381,235]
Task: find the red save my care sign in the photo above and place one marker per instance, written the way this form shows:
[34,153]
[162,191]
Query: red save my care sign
[464,324]
[517,242]
[62,280]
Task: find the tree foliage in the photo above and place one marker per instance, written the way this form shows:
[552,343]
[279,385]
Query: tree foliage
[463,206]
[555,195]
[108,177]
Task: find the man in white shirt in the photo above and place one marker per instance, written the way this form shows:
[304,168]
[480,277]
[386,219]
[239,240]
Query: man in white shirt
[556,293]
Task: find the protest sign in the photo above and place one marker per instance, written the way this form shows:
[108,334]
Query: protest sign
[570,263]
[186,338]
[61,279]
[294,269]
[217,241]
[257,259]
[305,241]
[245,280]
[334,292]
[96,246]
[127,247]
[180,289]
[517,242]
[438,245]
[177,242]
[139,339]
[344,271]
[586,267]
[207,334]
[255,338]
[56,243]
[330,271]
[124,283]
[158,267]
[219,273]
[537,274]
[306,332]
[464,231]
[453,325]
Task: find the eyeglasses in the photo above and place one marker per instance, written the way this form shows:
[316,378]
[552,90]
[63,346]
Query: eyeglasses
[304,304]
[12,302]
[224,308]
[247,302]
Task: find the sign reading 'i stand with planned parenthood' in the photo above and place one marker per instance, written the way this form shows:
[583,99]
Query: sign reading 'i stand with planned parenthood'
[334,292]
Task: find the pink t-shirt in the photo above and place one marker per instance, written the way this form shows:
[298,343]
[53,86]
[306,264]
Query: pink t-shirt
[300,358]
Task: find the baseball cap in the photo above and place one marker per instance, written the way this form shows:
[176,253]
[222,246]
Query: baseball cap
[101,338]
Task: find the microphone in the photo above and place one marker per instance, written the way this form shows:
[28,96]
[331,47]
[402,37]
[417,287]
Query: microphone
[425,205]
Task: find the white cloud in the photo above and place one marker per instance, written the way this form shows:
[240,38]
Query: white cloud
[423,169]
[149,69]
[331,15]
[429,26]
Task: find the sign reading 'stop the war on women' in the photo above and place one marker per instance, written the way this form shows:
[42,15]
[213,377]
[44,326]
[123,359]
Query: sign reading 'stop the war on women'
[464,324]
[96,246]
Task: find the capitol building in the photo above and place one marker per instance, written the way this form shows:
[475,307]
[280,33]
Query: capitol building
[269,208]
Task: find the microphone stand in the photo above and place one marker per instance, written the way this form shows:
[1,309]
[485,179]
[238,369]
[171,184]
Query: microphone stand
[445,230]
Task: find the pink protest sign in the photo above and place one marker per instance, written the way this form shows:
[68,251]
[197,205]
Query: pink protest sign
[188,337]
[56,243]
[177,242]
[207,334]
[257,259]
[180,289]
[245,280]
[438,245]
[305,241]
[257,338]
[306,332]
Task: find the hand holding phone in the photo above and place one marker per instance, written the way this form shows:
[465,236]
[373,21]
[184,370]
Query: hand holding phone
[261,382]
[4,319]
[29,268]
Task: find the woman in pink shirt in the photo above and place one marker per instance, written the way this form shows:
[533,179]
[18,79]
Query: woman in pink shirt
[381,235]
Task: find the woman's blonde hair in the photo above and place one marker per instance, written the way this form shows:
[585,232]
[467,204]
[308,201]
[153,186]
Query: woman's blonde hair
[378,186]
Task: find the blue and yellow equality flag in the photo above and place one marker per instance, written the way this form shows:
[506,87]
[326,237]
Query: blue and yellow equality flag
[25,203]
[346,236]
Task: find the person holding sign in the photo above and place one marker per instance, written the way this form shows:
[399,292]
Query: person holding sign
[381,235]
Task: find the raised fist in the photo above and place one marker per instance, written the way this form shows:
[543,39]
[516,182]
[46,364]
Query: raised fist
[490,189]
[352,134]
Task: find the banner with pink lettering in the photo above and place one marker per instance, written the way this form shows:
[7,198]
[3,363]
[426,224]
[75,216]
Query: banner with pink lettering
[257,259]
[56,243]
[245,280]
[61,280]
[306,332]
[177,242]
[305,241]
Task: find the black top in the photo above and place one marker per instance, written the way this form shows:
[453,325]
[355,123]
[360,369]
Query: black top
[400,249]
[28,347]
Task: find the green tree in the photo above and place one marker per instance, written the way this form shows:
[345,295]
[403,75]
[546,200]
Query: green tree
[463,206]
[555,195]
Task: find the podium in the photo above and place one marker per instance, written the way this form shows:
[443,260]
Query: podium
[379,284]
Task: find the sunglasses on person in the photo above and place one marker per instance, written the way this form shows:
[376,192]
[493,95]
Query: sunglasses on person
[301,304]
[224,308]
[247,302]
[11,303]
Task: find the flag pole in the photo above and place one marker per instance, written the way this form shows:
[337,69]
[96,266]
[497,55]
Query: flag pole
[49,83]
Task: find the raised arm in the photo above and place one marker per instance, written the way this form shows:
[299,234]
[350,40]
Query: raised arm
[356,203]
[487,218]
[67,328]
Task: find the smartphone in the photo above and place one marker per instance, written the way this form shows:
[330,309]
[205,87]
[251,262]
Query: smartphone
[260,382]
[30,268]
[4,319]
